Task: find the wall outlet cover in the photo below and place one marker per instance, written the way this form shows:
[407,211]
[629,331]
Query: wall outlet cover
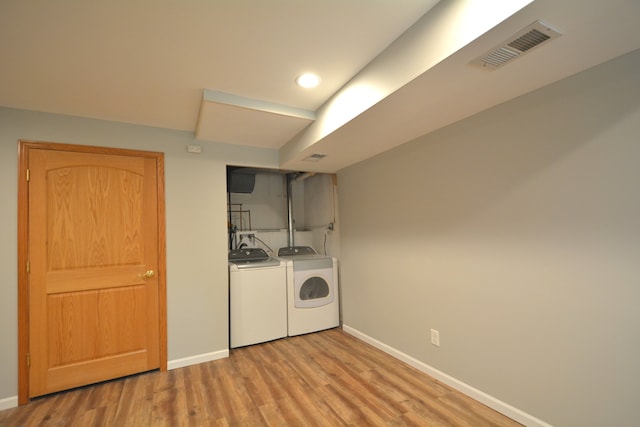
[435,337]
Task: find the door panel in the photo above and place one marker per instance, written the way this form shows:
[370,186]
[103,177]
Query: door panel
[92,236]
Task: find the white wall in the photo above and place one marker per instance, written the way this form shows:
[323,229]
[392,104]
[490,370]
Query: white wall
[197,284]
[516,234]
[267,203]
[321,208]
[314,207]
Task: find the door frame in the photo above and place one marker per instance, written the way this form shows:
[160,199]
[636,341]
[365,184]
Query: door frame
[24,146]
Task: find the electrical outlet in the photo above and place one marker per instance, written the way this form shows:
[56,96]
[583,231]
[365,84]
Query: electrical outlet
[435,337]
[246,238]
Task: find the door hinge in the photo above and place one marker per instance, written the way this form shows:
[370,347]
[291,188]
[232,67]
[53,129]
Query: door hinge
[28,174]
[28,266]
[28,360]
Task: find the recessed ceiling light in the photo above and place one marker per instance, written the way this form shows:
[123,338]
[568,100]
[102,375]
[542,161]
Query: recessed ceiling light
[308,80]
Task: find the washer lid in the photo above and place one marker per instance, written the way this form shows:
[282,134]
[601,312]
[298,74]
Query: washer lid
[251,257]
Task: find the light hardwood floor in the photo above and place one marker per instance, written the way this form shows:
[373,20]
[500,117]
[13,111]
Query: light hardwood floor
[327,378]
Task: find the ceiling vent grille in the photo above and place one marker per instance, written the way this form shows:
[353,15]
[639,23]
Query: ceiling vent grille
[517,45]
[314,158]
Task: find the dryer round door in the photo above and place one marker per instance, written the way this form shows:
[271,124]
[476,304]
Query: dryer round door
[314,288]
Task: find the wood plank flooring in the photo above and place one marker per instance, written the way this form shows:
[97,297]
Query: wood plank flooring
[327,378]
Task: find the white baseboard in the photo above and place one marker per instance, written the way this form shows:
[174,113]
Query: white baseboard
[199,358]
[12,402]
[8,403]
[482,397]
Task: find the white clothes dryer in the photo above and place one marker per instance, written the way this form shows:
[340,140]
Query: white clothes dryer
[313,303]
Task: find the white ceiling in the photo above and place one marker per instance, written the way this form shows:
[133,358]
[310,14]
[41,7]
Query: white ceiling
[152,62]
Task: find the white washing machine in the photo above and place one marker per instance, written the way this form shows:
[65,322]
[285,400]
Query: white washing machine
[257,297]
[313,303]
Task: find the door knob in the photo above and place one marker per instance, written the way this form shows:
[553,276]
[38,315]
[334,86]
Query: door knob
[148,274]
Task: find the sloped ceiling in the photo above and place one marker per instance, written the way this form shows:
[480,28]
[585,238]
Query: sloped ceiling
[225,69]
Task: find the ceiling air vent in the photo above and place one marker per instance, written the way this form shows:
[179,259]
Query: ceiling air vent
[314,157]
[517,45]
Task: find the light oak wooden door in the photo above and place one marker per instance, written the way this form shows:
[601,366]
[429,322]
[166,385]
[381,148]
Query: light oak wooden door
[94,263]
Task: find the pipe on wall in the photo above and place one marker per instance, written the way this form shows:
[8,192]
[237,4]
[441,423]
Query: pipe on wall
[290,178]
[303,176]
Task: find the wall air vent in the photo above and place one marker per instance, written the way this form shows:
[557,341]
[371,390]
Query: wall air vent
[517,45]
[314,157]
